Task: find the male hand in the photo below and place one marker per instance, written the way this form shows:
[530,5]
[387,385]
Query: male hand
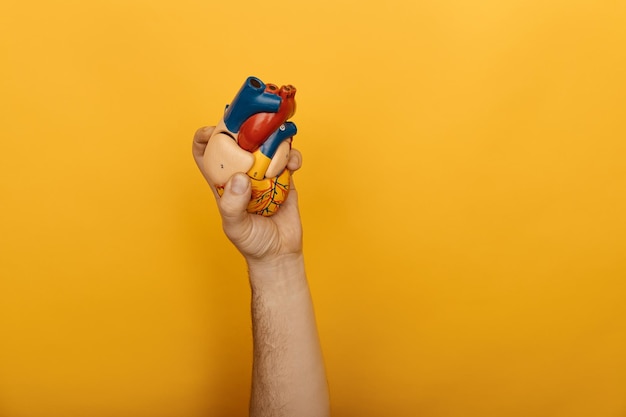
[261,240]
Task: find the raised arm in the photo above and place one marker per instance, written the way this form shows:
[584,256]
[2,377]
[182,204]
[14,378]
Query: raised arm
[288,376]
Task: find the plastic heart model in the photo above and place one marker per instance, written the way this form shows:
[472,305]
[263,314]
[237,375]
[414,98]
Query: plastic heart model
[255,137]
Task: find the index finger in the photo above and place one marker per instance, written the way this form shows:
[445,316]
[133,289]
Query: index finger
[200,140]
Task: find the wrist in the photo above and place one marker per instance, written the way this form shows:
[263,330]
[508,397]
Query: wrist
[277,275]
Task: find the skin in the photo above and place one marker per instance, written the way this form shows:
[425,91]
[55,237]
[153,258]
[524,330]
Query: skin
[288,375]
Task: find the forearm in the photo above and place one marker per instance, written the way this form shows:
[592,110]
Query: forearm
[288,377]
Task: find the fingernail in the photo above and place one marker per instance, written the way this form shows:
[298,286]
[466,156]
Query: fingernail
[239,184]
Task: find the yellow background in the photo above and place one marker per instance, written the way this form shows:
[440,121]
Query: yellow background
[463,196]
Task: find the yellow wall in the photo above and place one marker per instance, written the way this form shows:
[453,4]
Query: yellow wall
[463,195]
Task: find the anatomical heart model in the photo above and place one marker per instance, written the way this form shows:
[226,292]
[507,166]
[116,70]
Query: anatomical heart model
[255,137]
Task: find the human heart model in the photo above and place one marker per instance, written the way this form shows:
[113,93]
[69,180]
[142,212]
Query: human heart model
[255,137]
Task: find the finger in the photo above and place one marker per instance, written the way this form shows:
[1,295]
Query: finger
[203,134]
[294,164]
[233,204]
[200,140]
[290,205]
[295,160]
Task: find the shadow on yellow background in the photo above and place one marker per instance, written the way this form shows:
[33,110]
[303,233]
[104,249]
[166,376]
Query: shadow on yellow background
[463,196]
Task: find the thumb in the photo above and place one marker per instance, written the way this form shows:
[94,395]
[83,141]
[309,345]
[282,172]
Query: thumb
[233,204]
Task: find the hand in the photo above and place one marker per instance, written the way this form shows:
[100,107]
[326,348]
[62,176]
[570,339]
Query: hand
[259,239]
